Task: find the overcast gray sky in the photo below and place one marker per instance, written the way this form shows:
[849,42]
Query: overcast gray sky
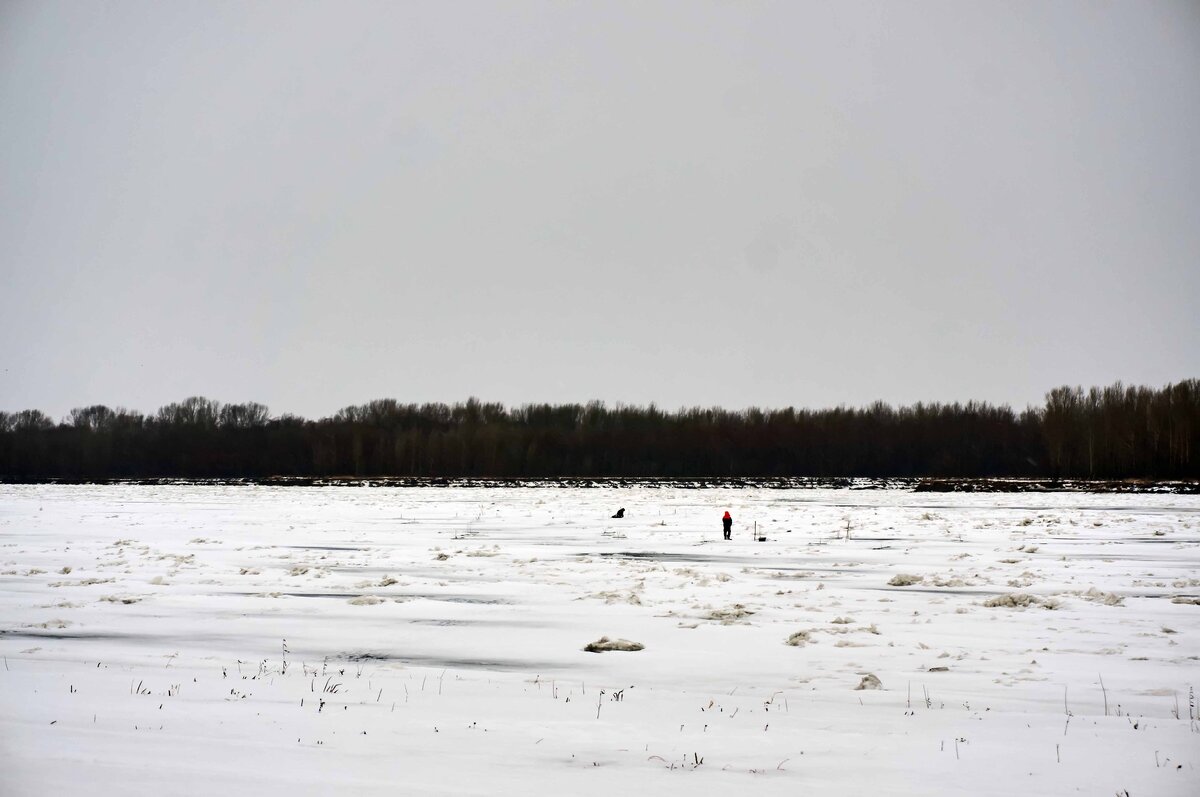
[317,204]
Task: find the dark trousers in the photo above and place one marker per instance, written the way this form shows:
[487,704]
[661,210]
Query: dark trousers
[728,531]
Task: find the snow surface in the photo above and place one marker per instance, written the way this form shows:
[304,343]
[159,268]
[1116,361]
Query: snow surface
[434,642]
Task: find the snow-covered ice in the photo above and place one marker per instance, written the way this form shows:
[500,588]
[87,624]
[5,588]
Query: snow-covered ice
[296,641]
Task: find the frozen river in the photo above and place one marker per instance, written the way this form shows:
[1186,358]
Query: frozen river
[295,641]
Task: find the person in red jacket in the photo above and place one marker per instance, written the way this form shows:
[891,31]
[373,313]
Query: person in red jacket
[727,523]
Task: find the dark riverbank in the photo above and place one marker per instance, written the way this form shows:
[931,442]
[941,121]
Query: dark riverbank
[946,485]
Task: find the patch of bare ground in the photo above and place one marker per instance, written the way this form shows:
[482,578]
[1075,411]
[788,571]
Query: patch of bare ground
[604,645]
[1021,600]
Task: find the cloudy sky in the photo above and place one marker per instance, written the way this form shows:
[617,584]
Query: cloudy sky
[316,204]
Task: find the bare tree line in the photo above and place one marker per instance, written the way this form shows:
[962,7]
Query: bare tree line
[1112,432]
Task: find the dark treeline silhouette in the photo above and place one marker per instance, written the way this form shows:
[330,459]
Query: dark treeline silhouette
[1111,433]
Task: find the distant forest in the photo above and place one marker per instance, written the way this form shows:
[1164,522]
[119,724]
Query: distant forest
[1113,432]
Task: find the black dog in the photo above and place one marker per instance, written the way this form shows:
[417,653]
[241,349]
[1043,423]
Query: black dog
[620,512]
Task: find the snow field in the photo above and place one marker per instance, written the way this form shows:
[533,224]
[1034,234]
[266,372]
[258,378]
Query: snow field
[188,640]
